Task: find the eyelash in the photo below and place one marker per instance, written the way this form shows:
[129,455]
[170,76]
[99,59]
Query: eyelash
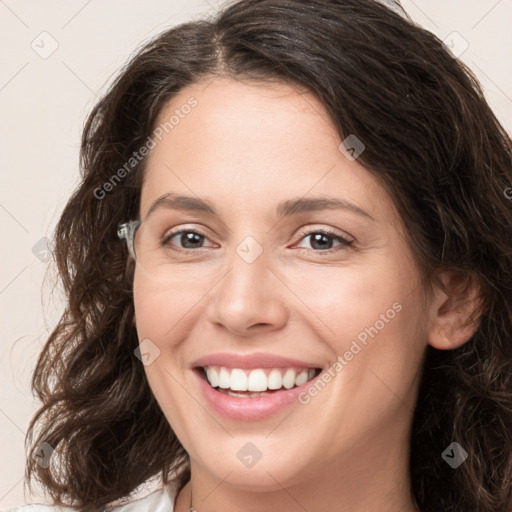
[345,243]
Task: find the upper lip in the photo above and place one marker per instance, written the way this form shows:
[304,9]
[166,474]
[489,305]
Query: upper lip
[257,360]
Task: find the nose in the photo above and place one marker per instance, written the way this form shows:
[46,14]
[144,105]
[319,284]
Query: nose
[249,299]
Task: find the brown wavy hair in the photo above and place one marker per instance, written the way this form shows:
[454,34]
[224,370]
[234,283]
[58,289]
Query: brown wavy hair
[433,142]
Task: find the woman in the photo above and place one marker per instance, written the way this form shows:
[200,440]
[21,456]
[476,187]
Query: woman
[288,270]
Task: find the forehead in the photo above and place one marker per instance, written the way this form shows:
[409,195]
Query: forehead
[253,144]
[250,119]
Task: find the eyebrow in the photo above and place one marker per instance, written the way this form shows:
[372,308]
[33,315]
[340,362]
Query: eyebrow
[286,208]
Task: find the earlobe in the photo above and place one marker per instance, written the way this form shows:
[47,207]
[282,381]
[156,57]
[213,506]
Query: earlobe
[456,313]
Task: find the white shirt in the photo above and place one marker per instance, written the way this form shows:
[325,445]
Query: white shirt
[158,501]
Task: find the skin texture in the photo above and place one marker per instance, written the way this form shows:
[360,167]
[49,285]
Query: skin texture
[246,147]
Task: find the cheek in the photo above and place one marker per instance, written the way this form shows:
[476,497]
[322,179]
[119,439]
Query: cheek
[372,321]
[344,301]
[379,348]
[163,317]
[162,310]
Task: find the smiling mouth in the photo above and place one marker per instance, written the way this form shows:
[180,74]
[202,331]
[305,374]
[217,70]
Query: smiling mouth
[255,383]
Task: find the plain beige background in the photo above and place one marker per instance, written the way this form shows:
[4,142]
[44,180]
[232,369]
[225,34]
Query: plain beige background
[44,100]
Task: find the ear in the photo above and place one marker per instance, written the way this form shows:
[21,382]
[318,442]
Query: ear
[455,312]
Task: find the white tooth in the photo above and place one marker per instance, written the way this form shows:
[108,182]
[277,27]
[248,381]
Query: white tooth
[257,381]
[238,380]
[224,378]
[230,393]
[275,380]
[301,378]
[213,377]
[289,378]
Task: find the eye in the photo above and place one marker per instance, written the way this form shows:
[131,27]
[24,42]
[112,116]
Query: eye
[189,238]
[323,239]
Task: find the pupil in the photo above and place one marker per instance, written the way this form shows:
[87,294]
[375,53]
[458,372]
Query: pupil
[189,237]
[318,238]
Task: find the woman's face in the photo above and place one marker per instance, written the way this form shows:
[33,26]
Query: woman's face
[261,288]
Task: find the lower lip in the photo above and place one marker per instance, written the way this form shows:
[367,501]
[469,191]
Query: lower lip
[249,409]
